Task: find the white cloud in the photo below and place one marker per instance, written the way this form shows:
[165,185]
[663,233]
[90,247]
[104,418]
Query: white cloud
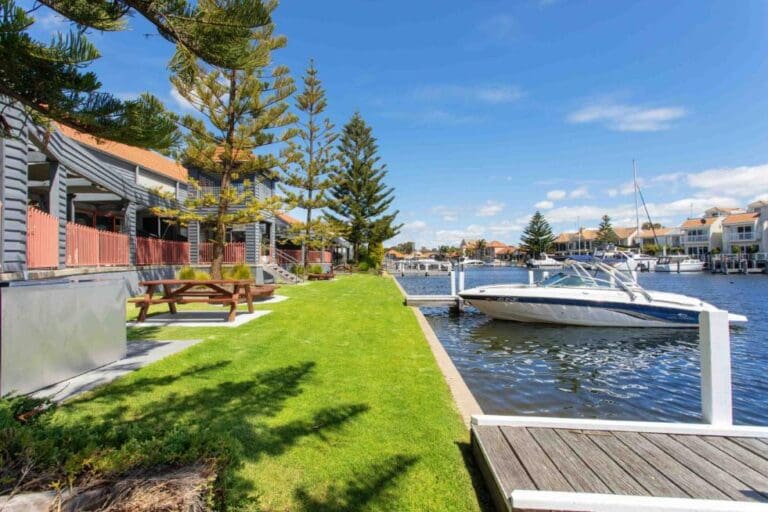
[579,193]
[446,213]
[492,94]
[180,100]
[416,225]
[556,195]
[489,209]
[612,192]
[52,22]
[544,205]
[434,116]
[628,118]
[745,181]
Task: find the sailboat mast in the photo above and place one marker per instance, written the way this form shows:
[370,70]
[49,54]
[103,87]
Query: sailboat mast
[637,204]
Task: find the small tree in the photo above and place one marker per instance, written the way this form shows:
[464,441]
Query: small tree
[605,233]
[361,199]
[480,246]
[311,167]
[537,237]
[244,110]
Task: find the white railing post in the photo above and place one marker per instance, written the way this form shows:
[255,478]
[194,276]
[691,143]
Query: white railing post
[715,348]
[530,277]
[461,278]
[545,275]
[452,273]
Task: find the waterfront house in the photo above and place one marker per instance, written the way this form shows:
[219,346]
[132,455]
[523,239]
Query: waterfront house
[626,236]
[74,204]
[488,252]
[704,235]
[584,241]
[741,233]
[761,208]
[669,238]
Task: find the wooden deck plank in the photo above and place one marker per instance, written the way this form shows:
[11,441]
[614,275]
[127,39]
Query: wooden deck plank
[646,475]
[734,467]
[506,466]
[741,454]
[683,477]
[754,445]
[617,480]
[694,461]
[578,474]
[540,468]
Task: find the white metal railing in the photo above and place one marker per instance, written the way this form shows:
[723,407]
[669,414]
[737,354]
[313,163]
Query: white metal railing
[741,237]
[696,238]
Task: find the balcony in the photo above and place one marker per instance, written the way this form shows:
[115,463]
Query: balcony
[696,239]
[741,237]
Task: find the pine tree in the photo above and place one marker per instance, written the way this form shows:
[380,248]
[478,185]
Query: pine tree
[312,164]
[537,237]
[605,233]
[243,113]
[361,199]
[49,80]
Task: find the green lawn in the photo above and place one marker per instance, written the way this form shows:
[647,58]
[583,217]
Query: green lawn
[333,401]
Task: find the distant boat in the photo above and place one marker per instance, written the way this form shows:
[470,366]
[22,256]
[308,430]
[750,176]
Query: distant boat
[679,264]
[544,262]
[580,298]
[471,263]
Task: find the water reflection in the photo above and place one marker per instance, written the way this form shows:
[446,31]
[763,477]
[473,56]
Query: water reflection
[643,374]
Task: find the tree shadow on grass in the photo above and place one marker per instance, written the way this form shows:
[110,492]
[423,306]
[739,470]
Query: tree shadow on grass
[234,414]
[359,490]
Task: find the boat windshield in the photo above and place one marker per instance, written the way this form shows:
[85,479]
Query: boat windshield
[563,280]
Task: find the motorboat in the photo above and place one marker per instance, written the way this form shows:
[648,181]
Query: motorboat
[679,264]
[467,262]
[617,259]
[544,262]
[581,298]
[425,266]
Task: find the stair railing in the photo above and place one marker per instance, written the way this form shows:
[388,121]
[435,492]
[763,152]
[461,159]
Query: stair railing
[286,261]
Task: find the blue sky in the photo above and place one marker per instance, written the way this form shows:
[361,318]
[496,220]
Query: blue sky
[488,110]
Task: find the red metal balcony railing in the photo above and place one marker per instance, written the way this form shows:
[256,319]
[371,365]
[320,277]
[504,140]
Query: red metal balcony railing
[312,256]
[152,251]
[42,239]
[233,252]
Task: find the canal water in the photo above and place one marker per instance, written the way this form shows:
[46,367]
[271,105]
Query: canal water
[606,373]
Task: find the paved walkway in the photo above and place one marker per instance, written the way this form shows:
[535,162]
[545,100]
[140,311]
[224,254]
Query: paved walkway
[140,353]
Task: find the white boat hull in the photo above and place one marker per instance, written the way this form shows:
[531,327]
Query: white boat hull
[683,267]
[596,309]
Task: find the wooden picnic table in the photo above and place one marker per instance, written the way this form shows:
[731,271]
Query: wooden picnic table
[209,291]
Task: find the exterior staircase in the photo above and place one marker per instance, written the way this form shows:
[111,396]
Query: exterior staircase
[281,275]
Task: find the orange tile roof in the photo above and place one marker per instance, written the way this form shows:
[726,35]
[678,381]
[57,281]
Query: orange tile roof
[495,244]
[697,223]
[143,157]
[741,218]
[287,218]
[625,232]
[648,233]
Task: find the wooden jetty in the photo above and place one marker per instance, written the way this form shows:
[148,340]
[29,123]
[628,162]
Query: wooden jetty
[536,463]
[433,301]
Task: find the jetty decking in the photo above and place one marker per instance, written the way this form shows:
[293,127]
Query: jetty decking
[575,468]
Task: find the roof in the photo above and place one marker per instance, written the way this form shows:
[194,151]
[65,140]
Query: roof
[741,218]
[287,218]
[495,244]
[395,253]
[697,223]
[145,158]
[625,232]
[648,233]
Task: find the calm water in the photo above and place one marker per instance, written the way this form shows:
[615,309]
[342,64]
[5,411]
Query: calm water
[643,374]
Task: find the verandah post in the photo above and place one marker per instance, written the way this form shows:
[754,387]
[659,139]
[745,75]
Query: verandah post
[715,349]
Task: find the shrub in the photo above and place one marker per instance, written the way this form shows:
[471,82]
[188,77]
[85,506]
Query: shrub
[239,271]
[189,273]
[363,266]
[297,269]
[315,269]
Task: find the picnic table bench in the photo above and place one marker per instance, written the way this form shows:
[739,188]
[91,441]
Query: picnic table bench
[208,291]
